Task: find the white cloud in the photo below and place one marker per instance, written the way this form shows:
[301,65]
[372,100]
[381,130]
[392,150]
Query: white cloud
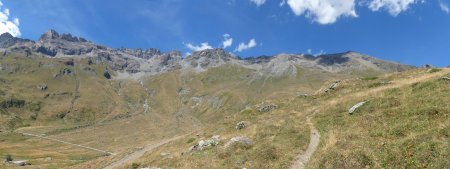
[394,7]
[227,42]
[444,7]
[7,25]
[202,46]
[258,2]
[323,11]
[242,46]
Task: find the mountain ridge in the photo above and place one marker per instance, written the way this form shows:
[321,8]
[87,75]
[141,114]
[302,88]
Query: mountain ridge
[153,61]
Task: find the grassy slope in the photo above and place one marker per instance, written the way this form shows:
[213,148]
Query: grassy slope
[109,114]
[404,126]
[102,117]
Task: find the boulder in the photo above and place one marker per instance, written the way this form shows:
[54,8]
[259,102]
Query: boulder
[427,66]
[42,87]
[241,140]
[183,91]
[66,71]
[214,141]
[267,108]
[69,63]
[333,86]
[241,125]
[20,163]
[107,75]
[356,106]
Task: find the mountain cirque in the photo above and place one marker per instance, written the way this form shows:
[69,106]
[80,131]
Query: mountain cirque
[138,104]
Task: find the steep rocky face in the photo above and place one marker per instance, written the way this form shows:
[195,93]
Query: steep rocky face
[139,53]
[9,41]
[153,61]
[202,60]
[52,44]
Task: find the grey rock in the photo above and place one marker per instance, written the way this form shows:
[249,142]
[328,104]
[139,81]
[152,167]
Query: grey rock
[69,63]
[62,72]
[214,141]
[107,75]
[239,140]
[427,66]
[267,108]
[42,87]
[355,107]
[241,125]
[21,163]
[333,86]
[183,91]
[303,95]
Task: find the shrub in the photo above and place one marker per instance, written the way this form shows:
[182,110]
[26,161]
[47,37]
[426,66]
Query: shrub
[191,140]
[135,165]
[8,158]
[61,115]
[434,70]
[369,78]
[35,107]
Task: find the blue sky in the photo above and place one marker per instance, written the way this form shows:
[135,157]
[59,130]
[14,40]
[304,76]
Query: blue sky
[407,31]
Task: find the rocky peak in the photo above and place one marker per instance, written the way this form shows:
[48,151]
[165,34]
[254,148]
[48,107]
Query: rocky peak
[50,34]
[202,60]
[6,36]
[139,53]
[7,40]
[214,54]
[70,38]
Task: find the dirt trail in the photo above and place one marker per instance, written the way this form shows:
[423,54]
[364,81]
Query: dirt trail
[302,159]
[135,155]
[77,88]
[65,142]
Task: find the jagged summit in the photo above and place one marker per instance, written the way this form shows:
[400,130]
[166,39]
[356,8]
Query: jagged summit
[50,34]
[53,35]
[6,40]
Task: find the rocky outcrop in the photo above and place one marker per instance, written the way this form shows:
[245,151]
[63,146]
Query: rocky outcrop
[333,86]
[12,103]
[241,125]
[20,163]
[7,40]
[202,60]
[107,75]
[42,87]
[240,140]
[213,141]
[139,53]
[267,108]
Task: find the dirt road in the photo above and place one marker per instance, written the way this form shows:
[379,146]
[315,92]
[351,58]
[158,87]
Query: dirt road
[135,155]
